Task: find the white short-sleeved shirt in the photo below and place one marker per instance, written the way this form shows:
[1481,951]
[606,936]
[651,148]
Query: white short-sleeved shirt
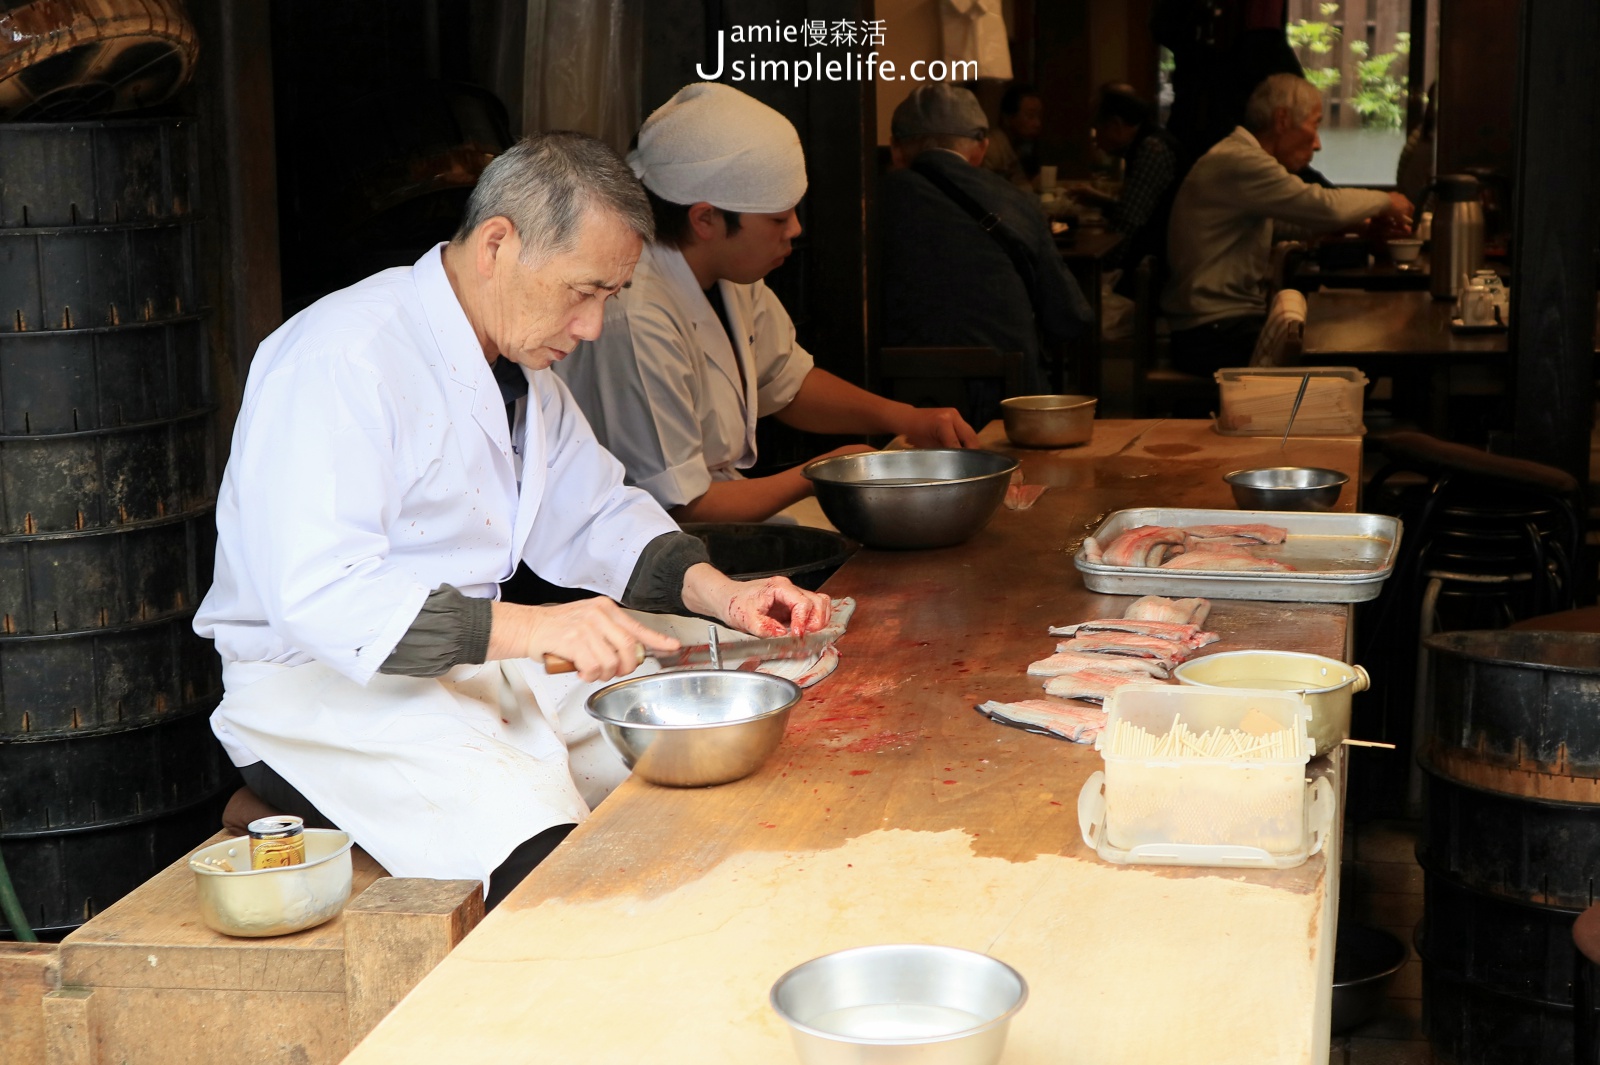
[667,389]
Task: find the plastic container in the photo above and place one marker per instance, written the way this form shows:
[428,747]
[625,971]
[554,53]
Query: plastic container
[1256,400]
[1194,801]
[1326,684]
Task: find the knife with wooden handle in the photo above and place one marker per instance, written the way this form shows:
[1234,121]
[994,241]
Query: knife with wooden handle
[776,649]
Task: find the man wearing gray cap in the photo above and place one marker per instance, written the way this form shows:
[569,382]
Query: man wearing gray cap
[968,260]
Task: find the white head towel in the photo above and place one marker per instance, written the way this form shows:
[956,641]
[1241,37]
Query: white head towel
[712,143]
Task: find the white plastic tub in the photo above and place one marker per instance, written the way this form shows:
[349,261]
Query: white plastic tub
[1195,801]
[1256,400]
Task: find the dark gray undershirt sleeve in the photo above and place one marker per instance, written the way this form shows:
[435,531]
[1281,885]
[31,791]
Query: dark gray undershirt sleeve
[451,629]
[657,582]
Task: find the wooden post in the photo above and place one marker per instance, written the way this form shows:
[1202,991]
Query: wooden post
[68,1035]
[395,932]
[1553,268]
[28,972]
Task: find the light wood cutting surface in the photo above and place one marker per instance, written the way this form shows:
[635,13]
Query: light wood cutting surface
[893,812]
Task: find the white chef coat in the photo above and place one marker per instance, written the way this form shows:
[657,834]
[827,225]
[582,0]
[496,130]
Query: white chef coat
[372,462]
[673,394]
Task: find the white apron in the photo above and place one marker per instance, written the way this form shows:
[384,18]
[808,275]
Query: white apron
[371,463]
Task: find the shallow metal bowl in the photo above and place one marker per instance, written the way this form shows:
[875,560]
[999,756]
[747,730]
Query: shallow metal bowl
[1048,421]
[695,727]
[912,499]
[237,900]
[1364,961]
[1286,488]
[900,1003]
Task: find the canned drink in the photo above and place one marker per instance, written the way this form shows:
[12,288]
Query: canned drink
[277,841]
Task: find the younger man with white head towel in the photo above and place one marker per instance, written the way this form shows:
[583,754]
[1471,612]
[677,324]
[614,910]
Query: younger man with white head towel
[698,348]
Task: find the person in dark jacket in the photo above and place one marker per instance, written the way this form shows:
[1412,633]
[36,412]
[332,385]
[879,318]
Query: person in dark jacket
[1125,126]
[950,280]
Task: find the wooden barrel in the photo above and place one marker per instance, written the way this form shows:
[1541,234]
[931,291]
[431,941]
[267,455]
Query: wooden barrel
[108,768]
[76,58]
[1511,842]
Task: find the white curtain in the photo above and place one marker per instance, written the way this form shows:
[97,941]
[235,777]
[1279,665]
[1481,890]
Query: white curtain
[582,69]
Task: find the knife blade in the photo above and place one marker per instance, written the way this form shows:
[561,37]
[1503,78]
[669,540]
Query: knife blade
[777,648]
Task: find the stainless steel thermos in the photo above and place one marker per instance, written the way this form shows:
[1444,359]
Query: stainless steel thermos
[1457,234]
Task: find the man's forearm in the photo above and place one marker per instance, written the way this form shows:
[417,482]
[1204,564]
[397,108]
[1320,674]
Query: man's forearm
[747,499]
[832,405]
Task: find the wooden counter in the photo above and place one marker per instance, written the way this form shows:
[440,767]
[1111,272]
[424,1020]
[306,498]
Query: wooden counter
[894,812]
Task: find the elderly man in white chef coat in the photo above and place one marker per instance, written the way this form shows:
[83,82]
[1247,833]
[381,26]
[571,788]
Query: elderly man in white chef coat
[699,348]
[398,451]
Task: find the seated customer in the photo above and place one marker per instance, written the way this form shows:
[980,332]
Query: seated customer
[1012,142]
[1125,126]
[1238,198]
[968,260]
[698,347]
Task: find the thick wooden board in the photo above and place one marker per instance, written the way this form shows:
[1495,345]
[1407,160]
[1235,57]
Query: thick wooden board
[28,972]
[154,937]
[894,812]
[394,934]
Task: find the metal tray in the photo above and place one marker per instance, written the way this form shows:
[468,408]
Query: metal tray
[1339,558]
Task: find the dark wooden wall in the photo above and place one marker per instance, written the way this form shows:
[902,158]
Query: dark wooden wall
[1477,83]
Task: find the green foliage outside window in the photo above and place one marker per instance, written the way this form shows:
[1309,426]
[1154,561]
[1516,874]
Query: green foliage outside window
[1381,80]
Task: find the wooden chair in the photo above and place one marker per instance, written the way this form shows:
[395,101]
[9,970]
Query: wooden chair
[972,380]
[1158,389]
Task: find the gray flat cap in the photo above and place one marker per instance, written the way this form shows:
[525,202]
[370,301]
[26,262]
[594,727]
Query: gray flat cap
[939,110]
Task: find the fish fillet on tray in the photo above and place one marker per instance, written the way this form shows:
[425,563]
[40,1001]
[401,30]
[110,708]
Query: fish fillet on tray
[1231,554]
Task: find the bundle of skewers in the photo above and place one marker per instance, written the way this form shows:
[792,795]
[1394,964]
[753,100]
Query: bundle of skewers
[1265,739]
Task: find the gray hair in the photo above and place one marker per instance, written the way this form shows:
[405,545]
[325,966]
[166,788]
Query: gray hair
[546,183]
[1288,91]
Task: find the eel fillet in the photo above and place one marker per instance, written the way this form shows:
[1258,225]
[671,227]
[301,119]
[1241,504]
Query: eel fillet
[1064,662]
[1176,611]
[1074,723]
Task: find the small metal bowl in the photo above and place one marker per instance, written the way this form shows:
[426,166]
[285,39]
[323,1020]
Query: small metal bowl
[900,1003]
[693,728]
[1364,961]
[905,500]
[237,900]
[1048,421]
[1286,488]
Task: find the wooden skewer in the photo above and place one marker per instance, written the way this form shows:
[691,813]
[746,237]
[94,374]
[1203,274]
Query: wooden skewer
[1368,743]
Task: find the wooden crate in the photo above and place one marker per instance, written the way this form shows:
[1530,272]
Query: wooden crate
[147,983]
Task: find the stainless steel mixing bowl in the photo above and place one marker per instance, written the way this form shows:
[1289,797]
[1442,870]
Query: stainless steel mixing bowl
[1048,421]
[694,727]
[898,1004]
[912,499]
[237,900]
[1286,488]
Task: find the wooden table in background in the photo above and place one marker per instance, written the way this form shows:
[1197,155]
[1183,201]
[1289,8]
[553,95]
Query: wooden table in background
[893,812]
[1085,258]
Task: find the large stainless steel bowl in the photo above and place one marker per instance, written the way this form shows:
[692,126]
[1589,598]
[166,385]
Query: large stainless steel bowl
[1048,421]
[912,499]
[898,1004]
[237,900]
[695,727]
[1286,487]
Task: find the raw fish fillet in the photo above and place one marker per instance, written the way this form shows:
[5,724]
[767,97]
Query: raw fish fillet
[1074,723]
[1134,547]
[1229,559]
[1093,685]
[1176,611]
[1188,635]
[1063,662]
[1126,643]
[1244,534]
[1167,657]
[1023,496]
[1092,551]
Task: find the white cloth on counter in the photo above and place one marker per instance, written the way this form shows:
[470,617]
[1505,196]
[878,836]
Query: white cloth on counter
[1286,322]
[372,462]
[670,392]
[712,143]
[976,30]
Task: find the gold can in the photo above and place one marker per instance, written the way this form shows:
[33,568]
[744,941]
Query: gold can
[277,841]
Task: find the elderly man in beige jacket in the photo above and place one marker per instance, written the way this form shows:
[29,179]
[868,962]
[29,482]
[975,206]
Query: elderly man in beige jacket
[1238,198]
